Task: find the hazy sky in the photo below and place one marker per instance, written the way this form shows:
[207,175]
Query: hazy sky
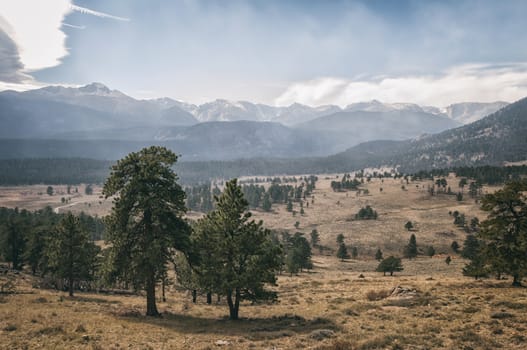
[276,52]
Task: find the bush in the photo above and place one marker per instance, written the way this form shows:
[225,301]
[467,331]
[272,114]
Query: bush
[366,213]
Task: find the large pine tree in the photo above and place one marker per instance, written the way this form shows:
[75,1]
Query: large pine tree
[146,224]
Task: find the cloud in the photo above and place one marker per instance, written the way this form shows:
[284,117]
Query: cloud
[73,26]
[96,13]
[35,28]
[10,64]
[31,37]
[472,82]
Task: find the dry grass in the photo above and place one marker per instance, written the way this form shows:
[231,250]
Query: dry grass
[338,305]
[329,308]
[34,197]
[332,213]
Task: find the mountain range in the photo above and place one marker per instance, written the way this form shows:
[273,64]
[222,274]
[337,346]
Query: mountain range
[92,120]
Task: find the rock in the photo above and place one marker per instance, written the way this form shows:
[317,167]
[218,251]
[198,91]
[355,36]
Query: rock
[222,342]
[402,292]
[320,334]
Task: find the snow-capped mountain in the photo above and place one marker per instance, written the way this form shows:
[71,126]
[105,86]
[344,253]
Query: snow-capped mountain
[469,112]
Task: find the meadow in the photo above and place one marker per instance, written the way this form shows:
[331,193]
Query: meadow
[337,305]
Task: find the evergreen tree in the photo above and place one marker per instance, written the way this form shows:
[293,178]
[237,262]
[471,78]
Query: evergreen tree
[298,254]
[391,265]
[430,251]
[340,238]
[408,226]
[378,254]
[13,241]
[342,252]
[238,256]
[49,191]
[35,248]
[146,224]
[266,204]
[315,237]
[448,260]
[410,251]
[455,247]
[504,233]
[471,247]
[70,254]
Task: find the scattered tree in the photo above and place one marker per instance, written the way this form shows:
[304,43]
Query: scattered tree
[410,251]
[378,254]
[315,237]
[408,226]
[455,246]
[430,251]
[391,265]
[342,252]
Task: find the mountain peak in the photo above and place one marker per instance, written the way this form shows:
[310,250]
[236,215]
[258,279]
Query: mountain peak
[95,88]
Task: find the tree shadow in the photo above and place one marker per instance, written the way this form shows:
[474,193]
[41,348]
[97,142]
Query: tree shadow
[251,328]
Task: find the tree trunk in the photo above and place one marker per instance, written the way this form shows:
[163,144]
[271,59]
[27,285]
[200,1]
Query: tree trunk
[516,282]
[151,308]
[233,306]
[70,286]
[194,296]
[209,298]
[219,299]
[163,291]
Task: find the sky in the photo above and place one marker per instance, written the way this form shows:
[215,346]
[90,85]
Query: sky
[275,52]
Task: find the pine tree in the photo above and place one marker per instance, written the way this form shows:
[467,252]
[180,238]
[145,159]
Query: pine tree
[70,254]
[430,251]
[342,252]
[504,233]
[146,224]
[410,251]
[266,204]
[408,226]
[391,265]
[236,256]
[378,255]
[448,260]
[315,237]
[455,246]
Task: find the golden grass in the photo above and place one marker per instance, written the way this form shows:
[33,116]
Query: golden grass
[338,305]
[323,309]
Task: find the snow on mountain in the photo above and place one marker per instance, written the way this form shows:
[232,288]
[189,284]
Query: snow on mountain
[470,112]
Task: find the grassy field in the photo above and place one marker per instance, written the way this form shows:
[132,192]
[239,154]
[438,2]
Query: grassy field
[332,307]
[337,305]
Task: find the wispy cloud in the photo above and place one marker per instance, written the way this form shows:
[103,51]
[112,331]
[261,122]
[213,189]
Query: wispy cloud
[96,13]
[474,82]
[73,26]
